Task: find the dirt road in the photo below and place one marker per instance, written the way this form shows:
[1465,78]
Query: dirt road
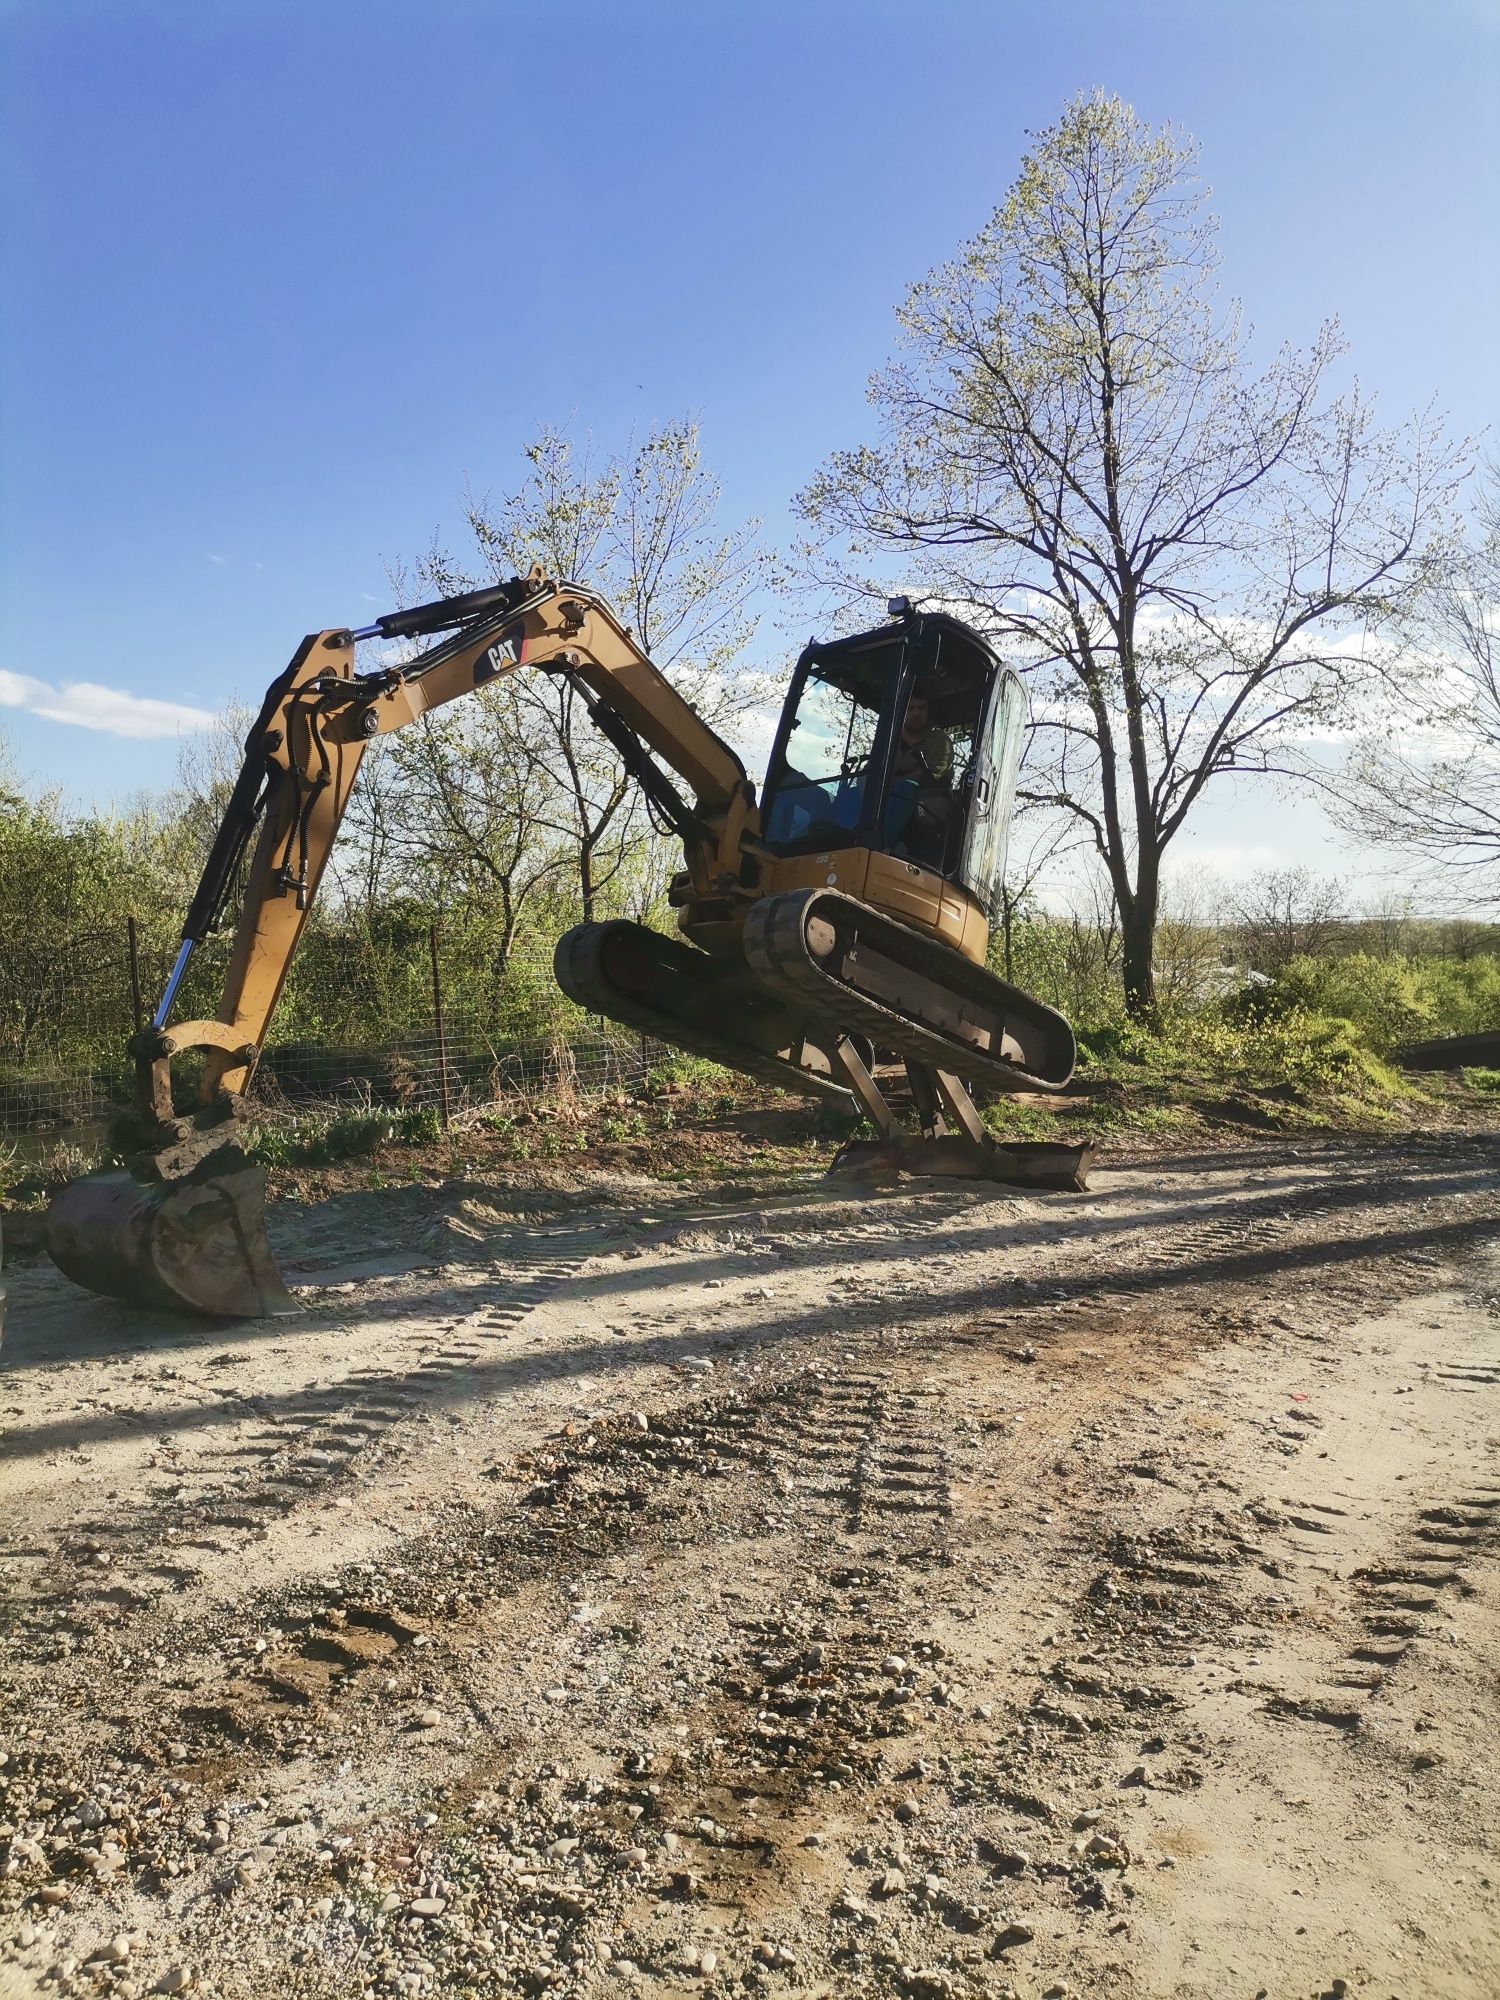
[938,1593]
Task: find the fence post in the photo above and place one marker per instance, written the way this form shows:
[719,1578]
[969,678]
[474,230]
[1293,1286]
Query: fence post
[437,1015]
[135,974]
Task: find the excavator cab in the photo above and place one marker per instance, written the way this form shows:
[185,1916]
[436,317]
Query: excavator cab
[903,742]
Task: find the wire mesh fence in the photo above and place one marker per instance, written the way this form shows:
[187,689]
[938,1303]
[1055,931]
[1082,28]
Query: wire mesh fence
[411,1019]
[65,1019]
[462,1069]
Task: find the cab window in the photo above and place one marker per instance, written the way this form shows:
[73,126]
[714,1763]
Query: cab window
[822,774]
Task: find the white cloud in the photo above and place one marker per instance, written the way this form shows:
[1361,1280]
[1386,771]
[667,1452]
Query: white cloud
[86,705]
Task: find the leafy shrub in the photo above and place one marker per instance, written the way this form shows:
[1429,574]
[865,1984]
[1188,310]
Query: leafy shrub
[1389,1000]
[1071,963]
[1247,1044]
[1384,998]
[273,1145]
[1116,1046]
[687,1072]
[349,1135]
[419,1125]
[1315,1055]
[1465,993]
[633,1126]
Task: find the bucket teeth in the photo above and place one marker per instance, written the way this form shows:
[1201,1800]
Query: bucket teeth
[194,1243]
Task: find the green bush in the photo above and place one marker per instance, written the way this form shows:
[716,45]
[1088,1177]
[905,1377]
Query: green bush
[1389,1000]
[1071,964]
[1465,993]
[687,1071]
[1118,1046]
[1315,1055]
[419,1126]
[632,1126]
[1270,1046]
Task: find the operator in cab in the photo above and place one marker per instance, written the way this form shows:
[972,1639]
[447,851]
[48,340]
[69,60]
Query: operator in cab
[921,789]
[923,752]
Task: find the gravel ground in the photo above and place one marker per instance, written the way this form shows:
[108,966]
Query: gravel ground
[943,1592]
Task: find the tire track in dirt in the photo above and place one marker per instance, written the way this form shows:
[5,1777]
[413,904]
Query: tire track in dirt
[624,1765]
[790,1709]
[850,1443]
[150,1548]
[847,1445]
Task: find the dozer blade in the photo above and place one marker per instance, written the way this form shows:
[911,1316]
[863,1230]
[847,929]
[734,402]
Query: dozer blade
[196,1243]
[1021,1163]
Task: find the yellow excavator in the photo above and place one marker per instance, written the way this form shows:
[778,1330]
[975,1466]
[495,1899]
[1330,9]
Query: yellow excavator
[837,922]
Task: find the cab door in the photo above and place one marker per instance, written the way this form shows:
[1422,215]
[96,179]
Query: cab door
[992,795]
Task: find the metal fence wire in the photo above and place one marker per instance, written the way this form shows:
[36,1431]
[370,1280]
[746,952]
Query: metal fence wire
[431,1024]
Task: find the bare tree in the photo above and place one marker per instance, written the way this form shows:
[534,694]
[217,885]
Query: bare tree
[1387,924]
[1074,447]
[1287,913]
[1090,949]
[642,529]
[1427,786]
[456,806]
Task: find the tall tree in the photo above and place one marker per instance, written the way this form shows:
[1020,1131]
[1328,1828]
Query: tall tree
[1075,448]
[68,879]
[1427,785]
[459,810]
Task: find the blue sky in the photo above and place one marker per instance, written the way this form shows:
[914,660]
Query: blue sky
[281,279]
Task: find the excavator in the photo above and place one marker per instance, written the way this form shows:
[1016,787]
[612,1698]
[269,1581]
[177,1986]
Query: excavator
[832,926]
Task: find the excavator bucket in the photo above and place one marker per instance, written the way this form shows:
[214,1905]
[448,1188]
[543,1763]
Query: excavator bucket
[190,1243]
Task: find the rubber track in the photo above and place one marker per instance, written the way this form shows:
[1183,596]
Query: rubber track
[582,978]
[778,956]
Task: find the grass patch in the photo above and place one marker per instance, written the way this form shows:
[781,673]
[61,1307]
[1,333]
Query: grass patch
[343,1135]
[1243,1062]
[693,1074]
[31,1183]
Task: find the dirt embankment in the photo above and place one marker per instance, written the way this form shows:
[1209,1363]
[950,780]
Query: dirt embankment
[939,1592]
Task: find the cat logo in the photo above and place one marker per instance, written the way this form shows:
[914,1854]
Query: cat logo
[497,659]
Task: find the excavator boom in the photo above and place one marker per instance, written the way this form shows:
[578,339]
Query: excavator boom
[183,1224]
[304,754]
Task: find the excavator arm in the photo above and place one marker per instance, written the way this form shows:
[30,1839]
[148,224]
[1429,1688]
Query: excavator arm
[182,1224]
[303,755]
